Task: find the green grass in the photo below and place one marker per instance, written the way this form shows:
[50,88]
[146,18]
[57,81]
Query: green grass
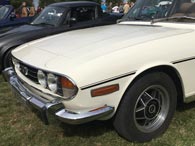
[19,126]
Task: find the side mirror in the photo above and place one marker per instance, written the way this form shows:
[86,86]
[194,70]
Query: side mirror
[12,17]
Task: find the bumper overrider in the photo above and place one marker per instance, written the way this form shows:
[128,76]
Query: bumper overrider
[54,107]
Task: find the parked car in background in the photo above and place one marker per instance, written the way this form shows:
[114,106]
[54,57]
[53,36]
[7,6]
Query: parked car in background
[135,71]
[4,2]
[55,18]
[8,17]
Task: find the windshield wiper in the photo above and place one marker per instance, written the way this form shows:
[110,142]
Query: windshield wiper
[172,18]
[139,18]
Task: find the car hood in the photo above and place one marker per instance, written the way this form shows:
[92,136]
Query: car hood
[20,29]
[94,42]
[73,52]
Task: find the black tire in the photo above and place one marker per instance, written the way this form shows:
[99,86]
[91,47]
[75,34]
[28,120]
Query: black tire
[138,117]
[7,62]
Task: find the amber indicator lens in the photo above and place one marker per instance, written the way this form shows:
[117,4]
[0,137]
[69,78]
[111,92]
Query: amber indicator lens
[105,90]
[66,83]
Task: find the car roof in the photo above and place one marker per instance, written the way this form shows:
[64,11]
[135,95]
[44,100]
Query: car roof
[74,4]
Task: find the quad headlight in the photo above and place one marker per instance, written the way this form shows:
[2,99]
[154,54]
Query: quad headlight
[42,78]
[57,84]
[52,82]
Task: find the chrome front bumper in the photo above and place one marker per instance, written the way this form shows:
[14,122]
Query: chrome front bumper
[54,107]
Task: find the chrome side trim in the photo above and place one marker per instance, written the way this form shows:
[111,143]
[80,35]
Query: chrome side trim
[183,60]
[108,80]
[55,107]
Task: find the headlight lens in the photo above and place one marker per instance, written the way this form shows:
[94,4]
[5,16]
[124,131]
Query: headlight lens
[42,78]
[68,87]
[52,82]
[16,63]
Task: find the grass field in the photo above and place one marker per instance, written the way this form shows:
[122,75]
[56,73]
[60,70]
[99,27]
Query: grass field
[21,127]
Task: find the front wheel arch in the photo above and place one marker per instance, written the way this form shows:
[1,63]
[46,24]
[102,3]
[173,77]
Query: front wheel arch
[169,70]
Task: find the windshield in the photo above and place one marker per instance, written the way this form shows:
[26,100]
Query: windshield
[155,9]
[50,16]
[149,9]
[3,11]
[184,8]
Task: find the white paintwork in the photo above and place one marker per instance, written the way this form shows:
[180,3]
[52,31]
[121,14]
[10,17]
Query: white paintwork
[95,54]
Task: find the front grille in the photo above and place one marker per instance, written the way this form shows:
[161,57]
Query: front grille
[29,72]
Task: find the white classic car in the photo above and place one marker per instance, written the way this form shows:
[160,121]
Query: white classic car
[136,71]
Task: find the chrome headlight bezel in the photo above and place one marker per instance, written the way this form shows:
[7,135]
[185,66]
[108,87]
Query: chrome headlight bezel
[55,85]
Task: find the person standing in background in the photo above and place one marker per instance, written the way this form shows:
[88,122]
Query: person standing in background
[32,11]
[121,8]
[22,10]
[110,7]
[104,7]
[115,9]
[126,8]
[39,10]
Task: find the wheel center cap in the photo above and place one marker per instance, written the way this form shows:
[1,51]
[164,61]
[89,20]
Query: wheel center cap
[152,109]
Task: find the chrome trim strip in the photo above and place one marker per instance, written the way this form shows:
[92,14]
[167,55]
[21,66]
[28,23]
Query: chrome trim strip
[55,107]
[108,80]
[183,60]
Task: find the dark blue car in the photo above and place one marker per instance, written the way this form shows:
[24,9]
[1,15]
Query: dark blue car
[8,18]
[4,2]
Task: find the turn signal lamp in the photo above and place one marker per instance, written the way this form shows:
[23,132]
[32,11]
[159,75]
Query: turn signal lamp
[104,90]
[68,87]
